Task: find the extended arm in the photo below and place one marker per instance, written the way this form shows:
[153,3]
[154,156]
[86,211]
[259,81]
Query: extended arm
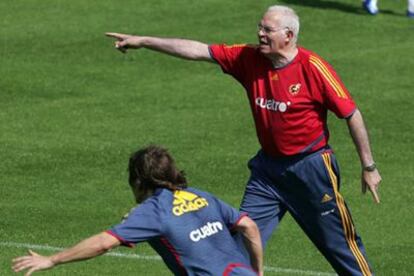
[370,176]
[86,249]
[252,240]
[183,48]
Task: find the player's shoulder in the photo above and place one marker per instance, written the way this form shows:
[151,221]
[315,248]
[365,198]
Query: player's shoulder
[310,59]
[243,45]
[157,198]
[198,192]
[240,48]
[308,56]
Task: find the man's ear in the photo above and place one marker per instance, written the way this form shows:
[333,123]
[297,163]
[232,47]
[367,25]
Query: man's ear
[289,35]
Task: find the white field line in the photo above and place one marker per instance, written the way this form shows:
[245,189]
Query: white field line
[53,248]
[154,257]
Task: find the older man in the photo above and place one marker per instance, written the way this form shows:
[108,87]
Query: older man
[182,224]
[290,90]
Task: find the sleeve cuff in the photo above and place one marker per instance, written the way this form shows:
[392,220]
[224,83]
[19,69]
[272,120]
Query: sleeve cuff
[238,220]
[123,242]
[211,53]
[350,114]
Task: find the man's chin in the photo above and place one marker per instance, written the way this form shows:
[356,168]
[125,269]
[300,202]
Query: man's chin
[264,49]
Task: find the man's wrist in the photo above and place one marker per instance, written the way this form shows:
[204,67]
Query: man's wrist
[54,259]
[370,167]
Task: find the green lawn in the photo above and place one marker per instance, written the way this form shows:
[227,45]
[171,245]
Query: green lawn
[72,109]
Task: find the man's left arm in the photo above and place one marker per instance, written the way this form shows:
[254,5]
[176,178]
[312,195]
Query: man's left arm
[86,249]
[370,176]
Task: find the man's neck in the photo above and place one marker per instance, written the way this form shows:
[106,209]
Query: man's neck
[283,58]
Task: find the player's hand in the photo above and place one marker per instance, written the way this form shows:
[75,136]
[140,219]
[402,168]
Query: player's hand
[371,180]
[124,41]
[33,262]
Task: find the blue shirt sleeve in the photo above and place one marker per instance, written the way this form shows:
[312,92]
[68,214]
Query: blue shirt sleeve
[142,224]
[230,215]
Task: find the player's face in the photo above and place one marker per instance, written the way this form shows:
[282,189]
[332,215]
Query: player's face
[272,35]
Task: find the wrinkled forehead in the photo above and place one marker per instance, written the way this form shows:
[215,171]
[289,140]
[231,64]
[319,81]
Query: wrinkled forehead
[272,18]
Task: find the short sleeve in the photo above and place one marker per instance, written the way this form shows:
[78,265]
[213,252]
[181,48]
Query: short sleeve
[230,215]
[229,57]
[142,224]
[331,90]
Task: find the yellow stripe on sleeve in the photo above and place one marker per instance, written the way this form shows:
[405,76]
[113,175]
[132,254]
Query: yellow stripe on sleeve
[328,76]
[235,46]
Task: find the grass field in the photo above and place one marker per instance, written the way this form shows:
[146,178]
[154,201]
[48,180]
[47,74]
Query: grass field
[72,109]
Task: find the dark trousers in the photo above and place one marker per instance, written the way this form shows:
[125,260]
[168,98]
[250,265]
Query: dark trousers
[307,186]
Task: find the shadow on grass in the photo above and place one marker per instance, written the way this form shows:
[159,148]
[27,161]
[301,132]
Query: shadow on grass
[335,5]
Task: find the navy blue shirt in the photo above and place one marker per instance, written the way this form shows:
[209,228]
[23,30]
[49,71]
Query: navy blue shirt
[189,229]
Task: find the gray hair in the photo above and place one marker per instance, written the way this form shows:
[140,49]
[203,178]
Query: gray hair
[288,18]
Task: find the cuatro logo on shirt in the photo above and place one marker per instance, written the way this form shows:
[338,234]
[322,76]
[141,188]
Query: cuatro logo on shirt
[272,104]
[206,231]
[185,202]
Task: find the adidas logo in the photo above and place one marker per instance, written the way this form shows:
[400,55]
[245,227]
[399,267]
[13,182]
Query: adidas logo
[185,202]
[326,198]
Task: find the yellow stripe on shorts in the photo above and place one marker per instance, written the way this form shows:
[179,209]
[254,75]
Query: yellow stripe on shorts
[347,224]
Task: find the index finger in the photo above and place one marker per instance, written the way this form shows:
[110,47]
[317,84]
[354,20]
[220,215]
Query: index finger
[117,36]
[374,194]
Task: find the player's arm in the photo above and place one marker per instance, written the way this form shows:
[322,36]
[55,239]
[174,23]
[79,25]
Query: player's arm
[252,241]
[337,99]
[370,175]
[183,48]
[86,249]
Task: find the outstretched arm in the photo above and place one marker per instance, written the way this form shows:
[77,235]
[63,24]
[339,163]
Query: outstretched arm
[370,176]
[252,241]
[183,48]
[86,249]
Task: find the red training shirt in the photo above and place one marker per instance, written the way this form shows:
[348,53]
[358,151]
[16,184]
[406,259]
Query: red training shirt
[289,104]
